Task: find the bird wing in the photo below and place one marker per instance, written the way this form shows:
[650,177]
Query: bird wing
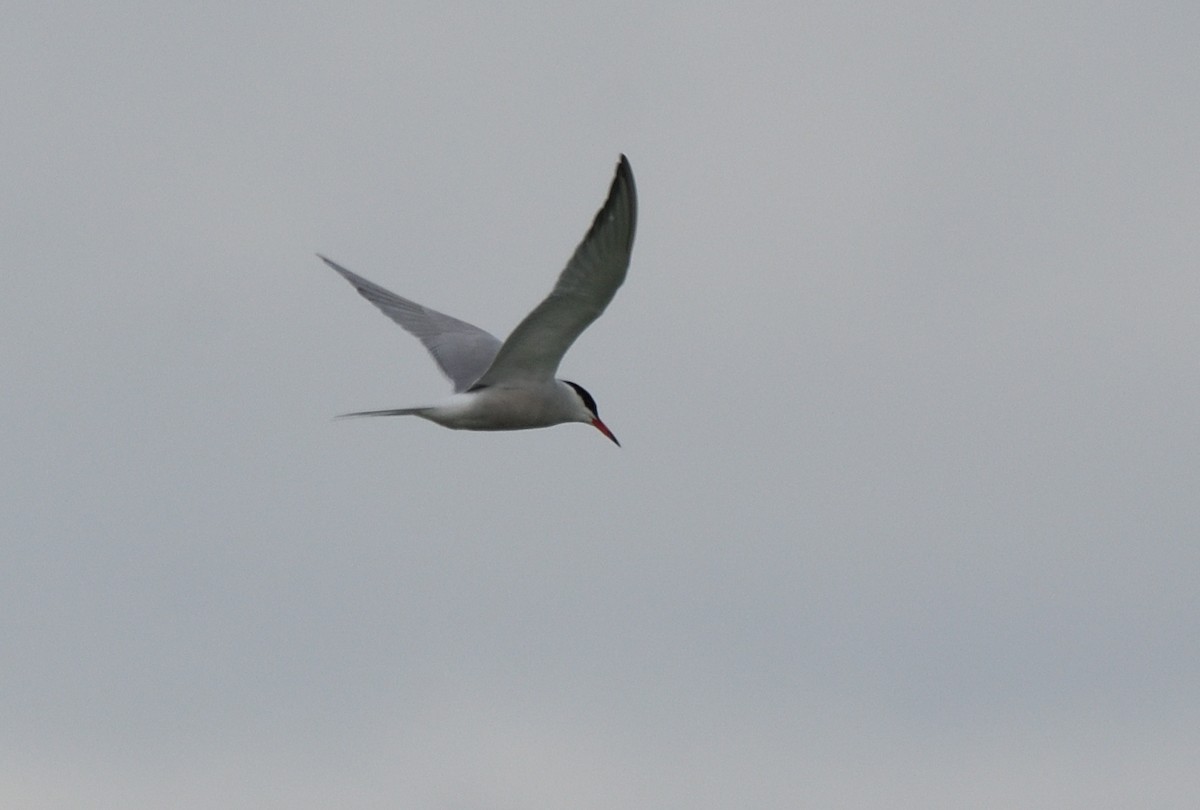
[462,351]
[584,288]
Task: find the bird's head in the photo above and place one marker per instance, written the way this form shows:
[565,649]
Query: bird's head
[588,412]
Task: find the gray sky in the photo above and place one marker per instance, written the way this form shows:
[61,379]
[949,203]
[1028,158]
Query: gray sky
[905,370]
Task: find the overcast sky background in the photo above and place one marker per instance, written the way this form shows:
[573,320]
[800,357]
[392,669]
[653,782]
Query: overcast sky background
[905,370]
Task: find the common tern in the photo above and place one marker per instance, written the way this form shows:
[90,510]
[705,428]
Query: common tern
[511,385]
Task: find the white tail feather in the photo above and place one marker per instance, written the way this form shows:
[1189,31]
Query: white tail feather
[391,412]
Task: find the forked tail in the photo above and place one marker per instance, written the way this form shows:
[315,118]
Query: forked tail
[391,412]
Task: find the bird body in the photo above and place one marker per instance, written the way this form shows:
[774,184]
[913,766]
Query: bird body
[510,385]
[503,408]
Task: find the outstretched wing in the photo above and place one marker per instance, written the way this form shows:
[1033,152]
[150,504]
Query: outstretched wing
[584,288]
[462,351]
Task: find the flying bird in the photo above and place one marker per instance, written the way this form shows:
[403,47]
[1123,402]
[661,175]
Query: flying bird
[511,385]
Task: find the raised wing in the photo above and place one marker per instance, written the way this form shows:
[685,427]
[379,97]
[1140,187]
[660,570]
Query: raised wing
[590,280]
[462,351]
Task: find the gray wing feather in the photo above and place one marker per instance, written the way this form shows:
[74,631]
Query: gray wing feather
[462,351]
[584,288]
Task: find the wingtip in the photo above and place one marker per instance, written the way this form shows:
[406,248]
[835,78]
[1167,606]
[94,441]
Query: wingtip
[335,266]
[624,175]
